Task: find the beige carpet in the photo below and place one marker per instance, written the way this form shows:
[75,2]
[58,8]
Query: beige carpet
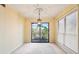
[39,48]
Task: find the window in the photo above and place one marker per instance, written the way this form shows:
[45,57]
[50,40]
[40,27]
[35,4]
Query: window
[61,26]
[68,31]
[71,39]
[61,31]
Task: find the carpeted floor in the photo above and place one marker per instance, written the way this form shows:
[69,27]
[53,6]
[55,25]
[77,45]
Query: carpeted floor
[39,48]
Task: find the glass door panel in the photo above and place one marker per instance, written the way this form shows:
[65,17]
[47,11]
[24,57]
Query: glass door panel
[40,32]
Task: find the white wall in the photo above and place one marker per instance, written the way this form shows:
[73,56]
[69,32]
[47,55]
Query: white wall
[11,30]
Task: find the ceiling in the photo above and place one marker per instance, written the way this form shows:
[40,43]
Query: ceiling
[28,10]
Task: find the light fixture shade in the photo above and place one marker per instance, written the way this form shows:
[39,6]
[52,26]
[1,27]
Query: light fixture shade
[38,20]
[3,5]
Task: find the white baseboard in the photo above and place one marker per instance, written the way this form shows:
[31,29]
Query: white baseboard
[16,48]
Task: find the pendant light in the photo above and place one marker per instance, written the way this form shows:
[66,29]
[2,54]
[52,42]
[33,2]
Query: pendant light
[39,9]
[39,20]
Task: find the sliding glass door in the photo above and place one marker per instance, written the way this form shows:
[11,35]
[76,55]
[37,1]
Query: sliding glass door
[40,33]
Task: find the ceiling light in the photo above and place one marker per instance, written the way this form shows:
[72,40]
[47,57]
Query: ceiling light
[39,14]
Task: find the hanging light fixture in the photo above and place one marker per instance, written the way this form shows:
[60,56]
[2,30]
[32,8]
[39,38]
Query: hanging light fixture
[39,14]
[39,20]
